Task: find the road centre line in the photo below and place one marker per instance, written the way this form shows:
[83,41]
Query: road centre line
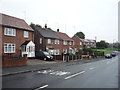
[91,68]
[74,75]
[42,87]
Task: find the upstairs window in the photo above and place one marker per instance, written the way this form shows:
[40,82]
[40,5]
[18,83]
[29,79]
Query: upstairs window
[10,31]
[73,43]
[70,43]
[49,41]
[57,42]
[65,42]
[26,34]
[40,40]
[9,48]
[80,43]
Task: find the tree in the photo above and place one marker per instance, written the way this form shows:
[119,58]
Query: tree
[80,35]
[102,44]
[32,25]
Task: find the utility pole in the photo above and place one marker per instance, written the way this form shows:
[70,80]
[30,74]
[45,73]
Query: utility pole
[113,43]
[95,38]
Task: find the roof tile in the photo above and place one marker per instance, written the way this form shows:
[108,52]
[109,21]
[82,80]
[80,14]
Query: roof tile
[14,22]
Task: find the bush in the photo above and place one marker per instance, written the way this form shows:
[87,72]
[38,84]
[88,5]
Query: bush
[88,50]
[98,53]
[79,52]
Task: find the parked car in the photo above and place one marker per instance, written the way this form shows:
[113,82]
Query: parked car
[108,56]
[113,54]
[43,55]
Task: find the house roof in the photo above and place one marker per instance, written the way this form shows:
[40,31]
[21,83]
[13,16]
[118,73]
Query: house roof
[47,33]
[78,37]
[84,40]
[11,21]
[64,36]
[88,40]
[26,42]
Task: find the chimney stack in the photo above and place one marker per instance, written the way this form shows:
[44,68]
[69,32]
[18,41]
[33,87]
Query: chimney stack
[57,30]
[45,25]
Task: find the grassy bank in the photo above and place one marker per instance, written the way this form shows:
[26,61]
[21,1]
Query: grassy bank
[106,51]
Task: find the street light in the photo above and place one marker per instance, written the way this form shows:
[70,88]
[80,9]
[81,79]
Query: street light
[113,43]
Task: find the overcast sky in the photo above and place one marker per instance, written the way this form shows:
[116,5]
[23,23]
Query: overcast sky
[93,17]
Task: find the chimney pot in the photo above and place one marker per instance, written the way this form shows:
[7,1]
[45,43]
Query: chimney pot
[45,25]
[57,30]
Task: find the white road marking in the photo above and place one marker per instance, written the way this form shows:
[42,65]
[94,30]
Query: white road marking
[91,68]
[42,87]
[60,73]
[45,71]
[74,75]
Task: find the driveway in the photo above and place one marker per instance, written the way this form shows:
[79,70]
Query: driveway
[38,61]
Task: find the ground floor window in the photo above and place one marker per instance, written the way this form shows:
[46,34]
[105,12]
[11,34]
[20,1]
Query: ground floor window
[9,48]
[65,51]
[54,52]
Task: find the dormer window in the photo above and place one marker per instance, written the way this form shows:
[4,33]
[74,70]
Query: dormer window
[10,31]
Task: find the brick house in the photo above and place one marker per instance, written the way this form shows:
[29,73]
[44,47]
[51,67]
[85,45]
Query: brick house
[78,43]
[16,37]
[67,43]
[47,40]
[89,43]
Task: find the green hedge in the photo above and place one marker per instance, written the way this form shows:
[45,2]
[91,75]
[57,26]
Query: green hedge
[98,53]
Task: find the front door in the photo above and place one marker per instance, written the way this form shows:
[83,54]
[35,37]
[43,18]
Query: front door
[31,51]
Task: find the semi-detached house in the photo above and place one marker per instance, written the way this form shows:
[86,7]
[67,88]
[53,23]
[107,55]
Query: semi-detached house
[67,43]
[54,42]
[16,37]
[47,40]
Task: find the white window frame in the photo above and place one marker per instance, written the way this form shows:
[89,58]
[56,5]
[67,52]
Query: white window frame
[65,42]
[49,41]
[26,34]
[56,52]
[9,31]
[9,48]
[40,40]
[70,43]
[73,43]
[80,43]
[65,51]
[57,42]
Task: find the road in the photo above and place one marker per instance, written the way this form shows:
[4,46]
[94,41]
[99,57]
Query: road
[97,74]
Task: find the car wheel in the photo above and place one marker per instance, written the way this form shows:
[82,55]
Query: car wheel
[45,59]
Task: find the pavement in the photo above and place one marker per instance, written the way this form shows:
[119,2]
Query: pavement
[37,65]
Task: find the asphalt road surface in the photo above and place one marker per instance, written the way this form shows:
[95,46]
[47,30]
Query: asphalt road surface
[97,74]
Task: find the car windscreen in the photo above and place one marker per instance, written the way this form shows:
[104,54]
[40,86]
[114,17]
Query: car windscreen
[46,53]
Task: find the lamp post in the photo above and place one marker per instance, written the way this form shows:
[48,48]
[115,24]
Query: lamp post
[113,43]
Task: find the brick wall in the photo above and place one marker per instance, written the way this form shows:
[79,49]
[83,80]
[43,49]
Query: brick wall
[10,61]
[0,40]
[77,43]
[0,46]
[18,40]
[55,46]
